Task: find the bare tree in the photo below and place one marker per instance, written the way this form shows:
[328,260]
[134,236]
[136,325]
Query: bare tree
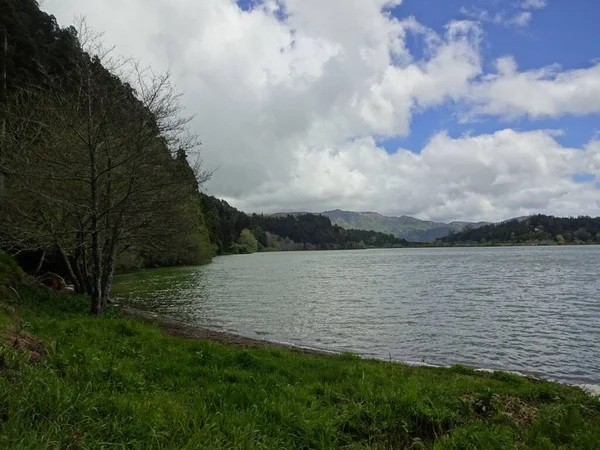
[3,100]
[97,163]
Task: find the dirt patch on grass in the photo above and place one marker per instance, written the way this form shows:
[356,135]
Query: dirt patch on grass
[27,343]
[21,340]
[519,410]
[516,409]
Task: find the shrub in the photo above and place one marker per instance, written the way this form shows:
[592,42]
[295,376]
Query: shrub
[464,370]
[248,241]
[10,272]
[237,249]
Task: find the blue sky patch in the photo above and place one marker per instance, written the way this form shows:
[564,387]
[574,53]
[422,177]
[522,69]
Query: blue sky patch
[246,5]
[584,177]
[558,34]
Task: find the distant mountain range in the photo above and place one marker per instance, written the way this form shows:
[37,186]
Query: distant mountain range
[403,227]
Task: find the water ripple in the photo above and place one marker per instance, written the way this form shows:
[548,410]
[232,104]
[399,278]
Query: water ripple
[530,309]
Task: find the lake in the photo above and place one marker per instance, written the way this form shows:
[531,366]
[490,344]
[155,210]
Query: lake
[530,309]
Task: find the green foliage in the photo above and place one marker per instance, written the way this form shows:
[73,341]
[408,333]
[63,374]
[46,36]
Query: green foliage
[248,241]
[128,261]
[464,370]
[315,232]
[238,249]
[36,44]
[146,181]
[190,246]
[534,229]
[224,223]
[122,383]
[261,236]
[10,272]
[583,235]
[284,232]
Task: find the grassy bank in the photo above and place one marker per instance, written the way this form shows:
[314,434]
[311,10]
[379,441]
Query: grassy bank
[72,381]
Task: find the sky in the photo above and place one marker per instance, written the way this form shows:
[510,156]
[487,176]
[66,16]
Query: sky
[438,109]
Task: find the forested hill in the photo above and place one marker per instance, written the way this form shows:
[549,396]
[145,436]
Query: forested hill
[232,231]
[403,227]
[533,229]
[94,156]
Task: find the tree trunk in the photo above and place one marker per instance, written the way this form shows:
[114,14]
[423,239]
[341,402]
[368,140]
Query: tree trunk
[4,72]
[69,268]
[96,307]
[81,287]
[109,265]
[85,273]
[3,99]
[96,271]
[40,263]
[107,282]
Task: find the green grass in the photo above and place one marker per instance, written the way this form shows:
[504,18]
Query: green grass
[116,382]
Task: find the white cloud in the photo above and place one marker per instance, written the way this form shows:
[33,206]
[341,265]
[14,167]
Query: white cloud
[521,19]
[534,4]
[454,61]
[517,19]
[482,15]
[289,109]
[491,177]
[546,92]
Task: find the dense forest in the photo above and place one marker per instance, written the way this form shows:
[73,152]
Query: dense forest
[226,226]
[539,229]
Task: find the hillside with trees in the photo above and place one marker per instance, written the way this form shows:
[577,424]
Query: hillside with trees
[538,229]
[96,159]
[403,227]
[283,232]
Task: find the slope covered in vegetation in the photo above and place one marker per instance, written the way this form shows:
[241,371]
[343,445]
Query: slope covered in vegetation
[533,229]
[286,231]
[97,163]
[403,227]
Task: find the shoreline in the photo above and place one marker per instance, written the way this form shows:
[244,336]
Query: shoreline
[173,327]
[128,380]
[177,328]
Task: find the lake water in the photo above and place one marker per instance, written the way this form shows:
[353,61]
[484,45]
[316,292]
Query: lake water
[530,309]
